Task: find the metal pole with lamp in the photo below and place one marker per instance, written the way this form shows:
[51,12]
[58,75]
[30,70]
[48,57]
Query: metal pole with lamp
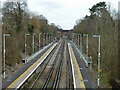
[25,44]
[4,35]
[98,81]
[33,42]
[81,43]
[39,40]
[86,35]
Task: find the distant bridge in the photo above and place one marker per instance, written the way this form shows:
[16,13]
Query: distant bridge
[64,32]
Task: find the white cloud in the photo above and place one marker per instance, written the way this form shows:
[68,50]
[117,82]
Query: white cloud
[64,12]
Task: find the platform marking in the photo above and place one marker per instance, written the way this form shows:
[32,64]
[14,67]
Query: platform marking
[79,72]
[71,59]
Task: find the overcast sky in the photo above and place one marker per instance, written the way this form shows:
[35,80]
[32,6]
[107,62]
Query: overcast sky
[64,12]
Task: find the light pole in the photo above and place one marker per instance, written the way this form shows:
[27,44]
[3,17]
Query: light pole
[33,41]
[74,40]
[98,82]
[81,43]
[47,38]
[51,38]
[78,41]
[44,39]
[72,37]
[4,35]
[25,43]
[39,40]
[86,35]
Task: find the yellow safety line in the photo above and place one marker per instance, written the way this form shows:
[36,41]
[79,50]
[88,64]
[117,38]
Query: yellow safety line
[29,68]
[79,73]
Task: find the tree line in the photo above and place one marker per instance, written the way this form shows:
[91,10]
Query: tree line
[101,22]
[18,21]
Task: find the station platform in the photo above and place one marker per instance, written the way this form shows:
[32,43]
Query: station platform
[23,74]
[81,71]
[81,77]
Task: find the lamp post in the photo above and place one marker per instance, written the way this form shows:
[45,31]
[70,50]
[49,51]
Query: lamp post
[33,42]
[4,35]
[50,38]
[81,43]
[78,40]
[47,38]
[44,39]
[72,37]
[86,35]
[39,40]
[25,43]
[98,81]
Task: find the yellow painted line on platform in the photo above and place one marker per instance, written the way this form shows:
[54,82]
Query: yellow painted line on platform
[10,86]
[79,72]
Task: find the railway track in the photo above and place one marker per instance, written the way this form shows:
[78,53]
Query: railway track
[51,71]
[56,68]
[46,66]
[54,73]
[66,73]
[42,69]
[69,71]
